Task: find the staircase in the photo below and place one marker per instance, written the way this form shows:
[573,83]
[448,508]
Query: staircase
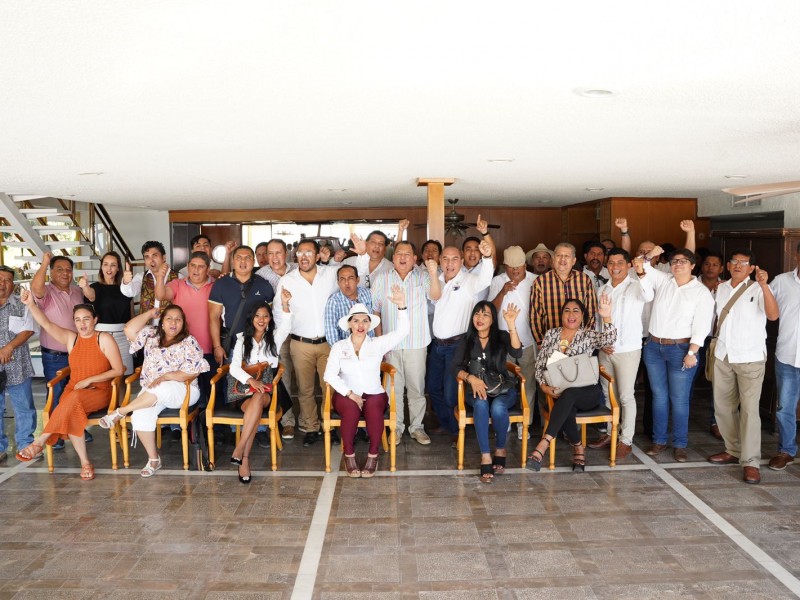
[38,224]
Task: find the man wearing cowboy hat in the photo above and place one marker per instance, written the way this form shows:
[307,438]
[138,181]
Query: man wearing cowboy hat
[539,260]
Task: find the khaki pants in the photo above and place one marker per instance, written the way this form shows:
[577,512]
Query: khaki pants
[410,365]
[286,360]
[309,360]
[527,364]
[737,393]
[623,367]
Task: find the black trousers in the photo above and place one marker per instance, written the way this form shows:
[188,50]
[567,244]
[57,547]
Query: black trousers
[566,407]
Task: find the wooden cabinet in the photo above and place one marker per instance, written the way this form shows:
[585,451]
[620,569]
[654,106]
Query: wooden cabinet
[775,251]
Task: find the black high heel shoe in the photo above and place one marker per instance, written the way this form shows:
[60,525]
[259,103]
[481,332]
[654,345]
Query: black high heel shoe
[236,461]
[535,459]
[246,478]
[578,457]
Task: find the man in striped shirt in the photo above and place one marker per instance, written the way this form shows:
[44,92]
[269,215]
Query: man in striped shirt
[553,288]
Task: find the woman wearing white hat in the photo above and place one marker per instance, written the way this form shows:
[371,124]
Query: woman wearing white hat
[354,372]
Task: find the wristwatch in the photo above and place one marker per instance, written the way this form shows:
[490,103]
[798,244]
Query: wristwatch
[690,353]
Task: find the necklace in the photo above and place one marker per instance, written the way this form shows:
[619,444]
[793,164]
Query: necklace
[483,337]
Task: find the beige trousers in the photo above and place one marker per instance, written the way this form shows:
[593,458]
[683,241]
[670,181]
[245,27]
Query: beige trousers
[527,364]
[622,366]
[288,419]
[410,377]
[737,393]
[309,360]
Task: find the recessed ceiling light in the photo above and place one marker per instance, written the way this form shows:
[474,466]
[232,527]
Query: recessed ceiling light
[347,202]
[594,189]
[92,173]
[735,176]
[337,189]
[500,160]
[594,93]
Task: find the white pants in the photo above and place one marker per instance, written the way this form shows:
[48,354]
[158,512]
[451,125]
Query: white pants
[622,366]
[169,394]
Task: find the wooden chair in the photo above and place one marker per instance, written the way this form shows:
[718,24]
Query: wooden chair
[519,414]
[601,414]
[94,418]
[230,415]
[170,416]
[330,418]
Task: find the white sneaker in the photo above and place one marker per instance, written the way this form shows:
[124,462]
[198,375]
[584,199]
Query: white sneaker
[398,437]
[520,429]
[421,437]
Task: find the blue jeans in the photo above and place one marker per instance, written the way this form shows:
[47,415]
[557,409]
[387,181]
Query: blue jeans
[21,396]
[442,385]
[671,385]
[499,414]
[51,364]
[787,379]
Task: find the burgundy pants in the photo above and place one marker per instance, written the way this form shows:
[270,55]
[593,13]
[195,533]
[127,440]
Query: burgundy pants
[374,407]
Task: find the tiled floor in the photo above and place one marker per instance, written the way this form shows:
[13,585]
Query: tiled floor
[646,529]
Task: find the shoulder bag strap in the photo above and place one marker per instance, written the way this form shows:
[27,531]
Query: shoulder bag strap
[728,307]
[238,315]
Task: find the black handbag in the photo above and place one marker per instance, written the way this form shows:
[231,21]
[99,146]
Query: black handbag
[497,384]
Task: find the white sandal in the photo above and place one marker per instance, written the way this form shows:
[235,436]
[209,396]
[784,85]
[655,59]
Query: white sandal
[108,421]
[149,469]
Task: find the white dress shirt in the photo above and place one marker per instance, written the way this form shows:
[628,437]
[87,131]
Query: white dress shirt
[743,336]
[383,267]
[628,300]
[348,372]
[481,294]
[684,311]
[454,308]
[786,289]
[521,297]
[260,352]
[267,273]
[308,300]
[597,283]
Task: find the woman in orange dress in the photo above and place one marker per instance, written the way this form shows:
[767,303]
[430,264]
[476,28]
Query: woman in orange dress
[94,360]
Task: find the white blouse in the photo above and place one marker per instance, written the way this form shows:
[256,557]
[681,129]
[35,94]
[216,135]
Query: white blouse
[260,352]
[361,373]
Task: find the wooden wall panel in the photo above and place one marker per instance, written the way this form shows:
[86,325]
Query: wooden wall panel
[658,219]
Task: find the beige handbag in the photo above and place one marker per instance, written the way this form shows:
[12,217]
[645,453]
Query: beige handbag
[574,371]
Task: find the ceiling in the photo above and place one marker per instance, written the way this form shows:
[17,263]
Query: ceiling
[189,104]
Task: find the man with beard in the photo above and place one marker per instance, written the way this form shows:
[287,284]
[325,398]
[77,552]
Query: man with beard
[594,256]
[540,260]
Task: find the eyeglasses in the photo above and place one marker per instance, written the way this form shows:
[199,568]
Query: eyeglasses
[679,261]
[305,253]
[736,261]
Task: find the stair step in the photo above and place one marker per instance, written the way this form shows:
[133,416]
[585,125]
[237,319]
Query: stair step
[34,213]
[42,229]
[51,245]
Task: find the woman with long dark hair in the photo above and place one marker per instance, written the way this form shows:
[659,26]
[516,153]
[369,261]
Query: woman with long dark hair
[260,342]
[480,361]
[571,339]
[171,357]
[113,308]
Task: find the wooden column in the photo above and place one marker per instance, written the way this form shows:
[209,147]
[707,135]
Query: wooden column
[435,205]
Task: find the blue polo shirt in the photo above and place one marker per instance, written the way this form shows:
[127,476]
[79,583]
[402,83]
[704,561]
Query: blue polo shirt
[229,291]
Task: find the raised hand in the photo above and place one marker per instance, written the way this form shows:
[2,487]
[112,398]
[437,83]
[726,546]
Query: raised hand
[229,246]
[325,254]
[286,296]
[433,267]
[127,274]
[402,226]
[359,244]
[398,296]
[761,276]
[163,270]
[638,263]
[657,251]
[510,314]
[509,286]
[604,306]
[486,249]
[340,255]
[621,223]
[46,258]
[83,283]
[26,297]
[687,225]
[608,350]
[482,225]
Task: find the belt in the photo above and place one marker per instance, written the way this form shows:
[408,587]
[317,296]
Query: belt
[54,352]
[667,342]
[449,341]
[110,327]
[319,340]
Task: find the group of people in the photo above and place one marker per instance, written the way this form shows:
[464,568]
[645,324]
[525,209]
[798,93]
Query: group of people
[437,315]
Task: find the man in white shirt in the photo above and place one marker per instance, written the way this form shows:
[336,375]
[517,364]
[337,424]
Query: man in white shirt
[679,323]
[594,257]
[621,360]
[311,285]
[450,322]
[471,253]
[741,356]
[514,287]
[786,288]
[409,356]
[376,250]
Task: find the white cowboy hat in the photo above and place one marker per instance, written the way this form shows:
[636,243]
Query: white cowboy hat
[359,309]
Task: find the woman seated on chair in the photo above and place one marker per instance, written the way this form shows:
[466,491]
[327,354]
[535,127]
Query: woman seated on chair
[571,339]
[354,373]
[171,358]
[260,342]
[94,360]
[480,361]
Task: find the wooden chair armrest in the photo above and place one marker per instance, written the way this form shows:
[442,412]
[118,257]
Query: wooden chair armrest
[461,407]
[389,369]
[116,383]
[388,384]
[326,402]
[61,375]
[514,368]
[187,397]
[612,396]
[221,372]
[276,381]
[129,383]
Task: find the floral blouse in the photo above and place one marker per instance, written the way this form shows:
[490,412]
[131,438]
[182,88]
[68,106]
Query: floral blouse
[584,342]
[185,356]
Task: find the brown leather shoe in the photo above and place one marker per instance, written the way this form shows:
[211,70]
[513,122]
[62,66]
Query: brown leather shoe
[780,461]
[655,449]
[679,454]
[604,441]
[715,432]
[623,451]
[723,458]
[752,475]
